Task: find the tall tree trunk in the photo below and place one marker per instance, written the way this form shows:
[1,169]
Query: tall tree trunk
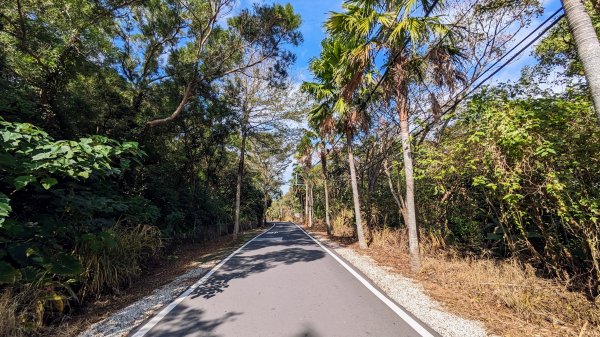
[311,209]
[588,47]
[306,214]
[263,219]
[325,185]
[362,242]
[240,174]
[303,202]
[413,236]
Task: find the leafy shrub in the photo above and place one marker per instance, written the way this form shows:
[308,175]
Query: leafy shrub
[54,195]
[529,187]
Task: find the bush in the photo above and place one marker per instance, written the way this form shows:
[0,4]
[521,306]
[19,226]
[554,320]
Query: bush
[342,223]
[518,177]
[115,257]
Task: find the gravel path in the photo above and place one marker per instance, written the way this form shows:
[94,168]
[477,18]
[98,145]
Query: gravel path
[411,296]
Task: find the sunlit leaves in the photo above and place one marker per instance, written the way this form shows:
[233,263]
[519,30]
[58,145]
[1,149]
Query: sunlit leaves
[526,169]
[47,183]
[4,207]
[36,154]
[22,181]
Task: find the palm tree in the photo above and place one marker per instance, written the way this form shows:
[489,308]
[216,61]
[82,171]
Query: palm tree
[322,122]
[337,81]
[390,26]
[588,47]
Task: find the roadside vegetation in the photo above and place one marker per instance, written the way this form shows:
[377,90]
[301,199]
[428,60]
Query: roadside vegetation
[488,190]
[128,127]
[121,128]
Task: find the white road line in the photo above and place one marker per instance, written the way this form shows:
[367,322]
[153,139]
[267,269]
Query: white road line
[144,330]
[395,308]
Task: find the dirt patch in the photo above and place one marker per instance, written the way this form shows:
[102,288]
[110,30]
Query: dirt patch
[507,297]
[183,258]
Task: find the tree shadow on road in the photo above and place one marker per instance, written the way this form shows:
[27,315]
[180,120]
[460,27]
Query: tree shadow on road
[241,266]
[187,321]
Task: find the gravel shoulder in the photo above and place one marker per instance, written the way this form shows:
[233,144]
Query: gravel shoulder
[408,293]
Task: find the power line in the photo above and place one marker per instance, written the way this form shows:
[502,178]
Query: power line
[519,52]
[503,55]
[522,40]
[478,85]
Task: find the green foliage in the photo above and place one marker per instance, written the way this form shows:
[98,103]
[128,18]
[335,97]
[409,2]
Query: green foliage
[526,188]
[37,242]
[88,192]
[30,155]
[557,50]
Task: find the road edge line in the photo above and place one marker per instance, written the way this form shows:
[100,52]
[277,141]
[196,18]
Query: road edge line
[402,313]
[158,317]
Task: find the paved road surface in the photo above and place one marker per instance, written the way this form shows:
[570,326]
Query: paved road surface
[281,284]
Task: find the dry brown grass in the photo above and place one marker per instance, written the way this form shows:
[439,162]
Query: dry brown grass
[23,309]
[9,322]
[342,223]
[507,296]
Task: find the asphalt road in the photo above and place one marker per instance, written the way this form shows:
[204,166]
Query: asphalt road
[282,283]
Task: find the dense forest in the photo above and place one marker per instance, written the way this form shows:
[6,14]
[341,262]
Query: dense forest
[130,126]
[407,140]
[122,124]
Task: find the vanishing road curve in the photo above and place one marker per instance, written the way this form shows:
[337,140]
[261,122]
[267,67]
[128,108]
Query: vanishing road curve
[282,283]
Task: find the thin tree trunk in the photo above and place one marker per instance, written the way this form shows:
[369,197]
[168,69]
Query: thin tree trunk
[413,236]
[238,191]
[303,201]
[362,243]
[588,47]
[397,197]
[326,186]
[306,215]
[263,220]
[311,209]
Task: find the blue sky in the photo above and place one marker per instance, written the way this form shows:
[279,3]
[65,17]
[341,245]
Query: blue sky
[315,12]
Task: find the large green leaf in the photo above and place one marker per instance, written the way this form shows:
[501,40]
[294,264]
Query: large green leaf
[8,274]
[18,252]
[65,265]
[15,230]
[48,182]
[22,181]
